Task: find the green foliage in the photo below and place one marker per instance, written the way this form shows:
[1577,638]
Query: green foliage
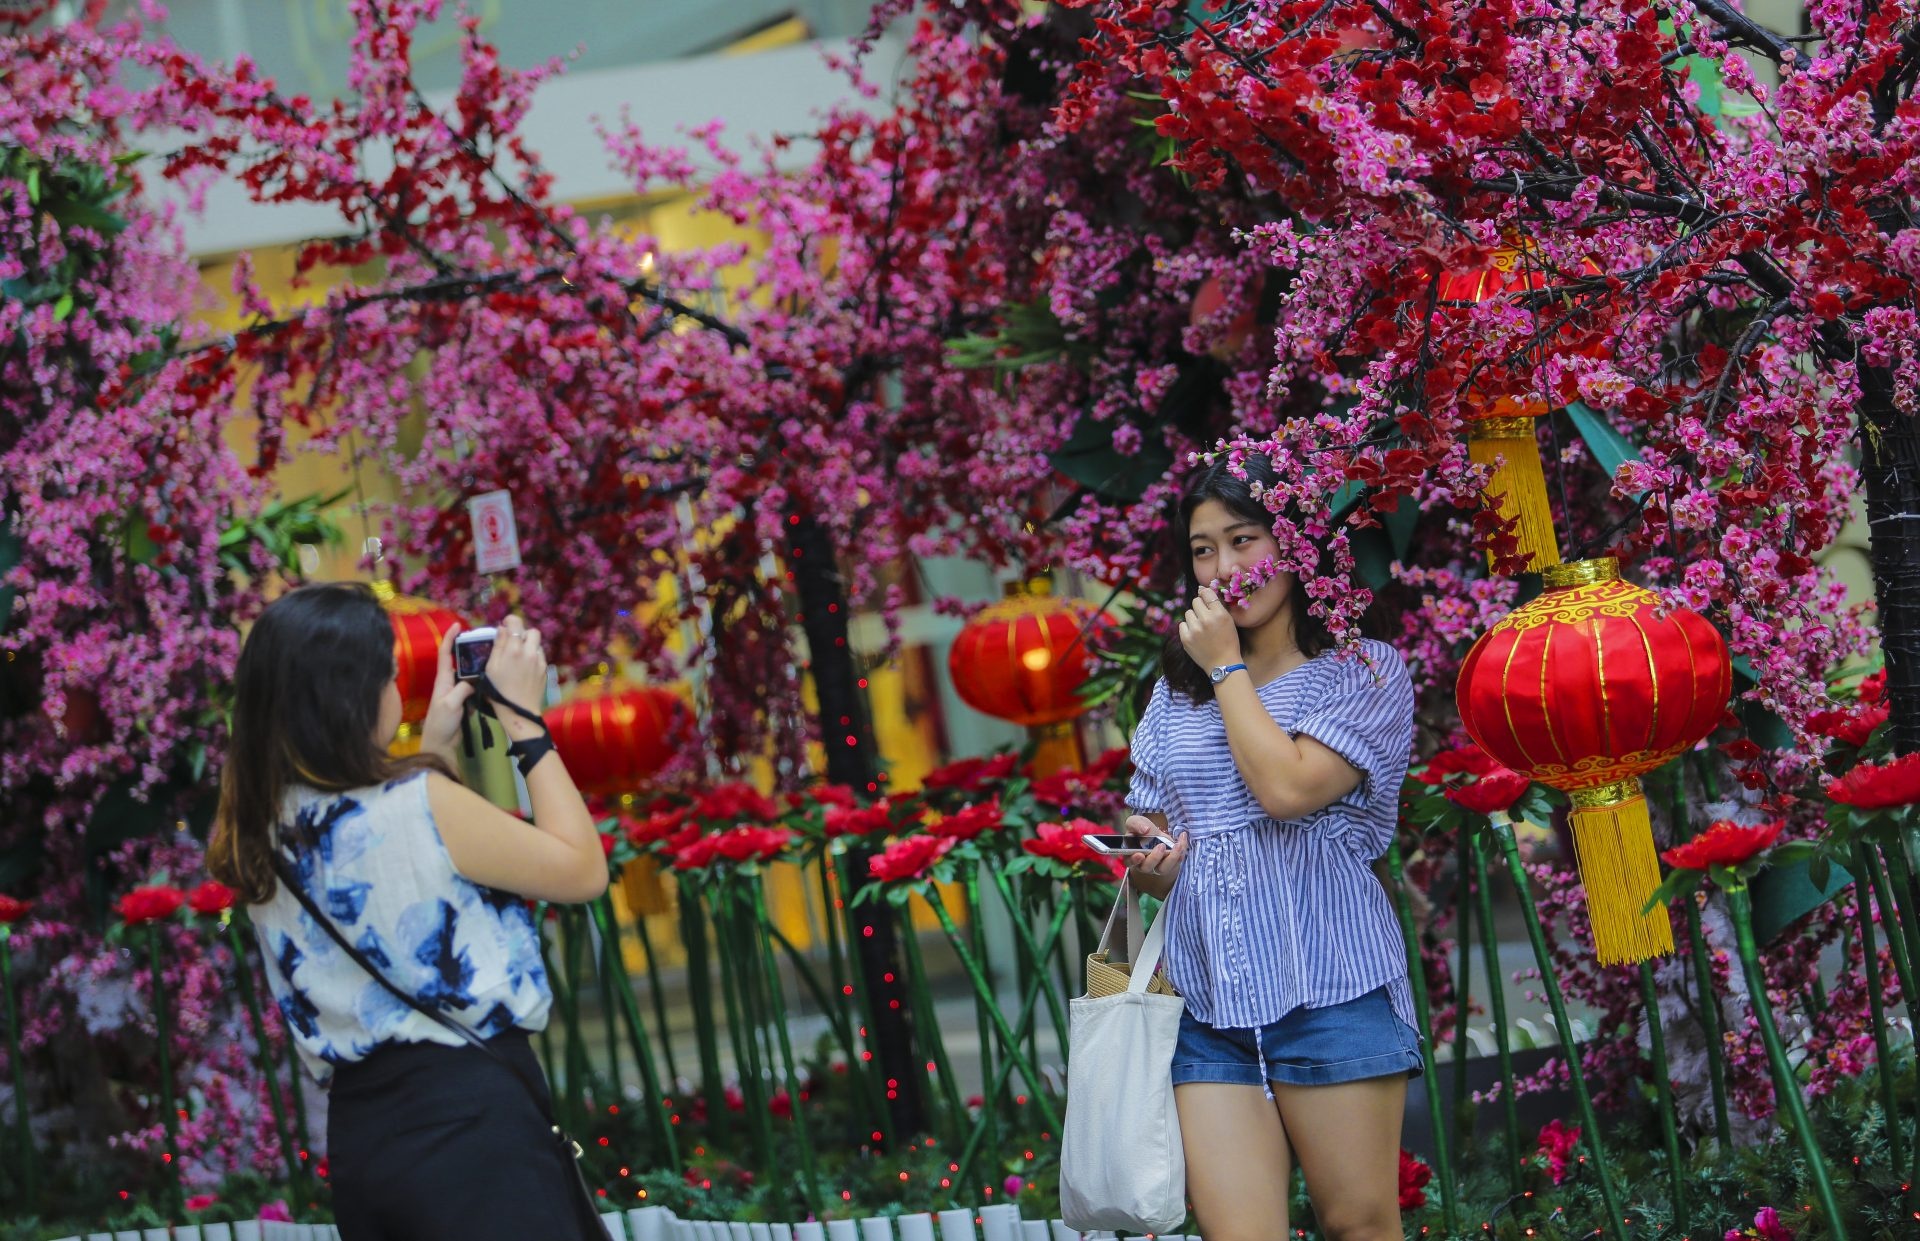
[279,529]
[1130,663]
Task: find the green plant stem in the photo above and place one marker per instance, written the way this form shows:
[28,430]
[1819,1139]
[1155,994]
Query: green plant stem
[1468,863]
[920,994]
[1497,1005]
[23,1131]
[657,994]
[299,1095]
[1707,994]
[1563,1026]
[1436,1108]
[1036,983]
[1786,1084]
[1033,956]
[1008,1042]
[879,1115]
[1910,922]
[836,1017]
[810,1182]
[1890,916]
[609,929]
[693,934]
[169,1109]
[970,884]
[575,1046]
[659,1115]
[746,1057]
[243,976]
[1877,1007]
[1663,1092]
[1708,1007]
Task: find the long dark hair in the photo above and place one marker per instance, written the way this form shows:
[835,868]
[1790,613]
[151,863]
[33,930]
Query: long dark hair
[1218,482]
[306,703]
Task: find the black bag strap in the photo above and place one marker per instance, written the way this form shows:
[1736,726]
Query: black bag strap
[542,1102]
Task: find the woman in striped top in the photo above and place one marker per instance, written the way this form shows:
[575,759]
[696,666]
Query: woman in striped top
[1276,764]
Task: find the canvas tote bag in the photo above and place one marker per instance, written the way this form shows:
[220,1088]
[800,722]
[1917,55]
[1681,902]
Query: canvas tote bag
[1121,1164]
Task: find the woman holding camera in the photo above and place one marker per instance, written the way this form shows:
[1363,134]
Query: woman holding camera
[391,906]
[1276,765]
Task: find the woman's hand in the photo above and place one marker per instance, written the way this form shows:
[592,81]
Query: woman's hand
[1208,632]
[1154,871]
[450,694]
[518,670]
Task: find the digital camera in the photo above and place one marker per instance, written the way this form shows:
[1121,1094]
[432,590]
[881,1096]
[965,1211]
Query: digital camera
[471,651]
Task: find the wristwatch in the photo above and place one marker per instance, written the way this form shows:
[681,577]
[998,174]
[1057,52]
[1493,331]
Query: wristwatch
[1222,673]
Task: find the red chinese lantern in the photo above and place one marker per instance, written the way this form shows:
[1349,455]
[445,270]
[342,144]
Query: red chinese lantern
[418,627]
[1587,688]
[1500,433]
[614,737]
[1025,658]
[1207,301]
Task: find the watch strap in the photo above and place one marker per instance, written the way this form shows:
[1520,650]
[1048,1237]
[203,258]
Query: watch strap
[1220,674]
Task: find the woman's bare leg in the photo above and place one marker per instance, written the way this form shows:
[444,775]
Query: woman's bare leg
[1239,1169]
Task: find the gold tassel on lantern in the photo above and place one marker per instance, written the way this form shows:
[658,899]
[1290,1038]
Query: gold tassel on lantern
[1613,836]
[1519,485]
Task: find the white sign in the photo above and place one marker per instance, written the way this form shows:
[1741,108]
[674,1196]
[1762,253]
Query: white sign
[496,542]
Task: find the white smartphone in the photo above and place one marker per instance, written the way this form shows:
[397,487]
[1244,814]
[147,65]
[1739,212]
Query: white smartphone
[1119,845]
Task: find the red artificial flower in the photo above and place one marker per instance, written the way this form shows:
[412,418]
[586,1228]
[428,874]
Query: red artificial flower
[150,904]
[1872,689]
[752,844]
[1468,759]
[970,822]
[654,828]
[608,841]
[781,1104]
[1414,1176]
[1062,788]
[1879,786]
[1853,725]
[968,774]
[867,820]
[834,796]
[1062,843]
[909,858]
[697,853]
[12,909]
[210,898]
[1725,843]
[737,803]
[1110,764]
[200,1202]
[1495,791]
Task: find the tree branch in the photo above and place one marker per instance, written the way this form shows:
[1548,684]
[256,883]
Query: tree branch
[1743,31]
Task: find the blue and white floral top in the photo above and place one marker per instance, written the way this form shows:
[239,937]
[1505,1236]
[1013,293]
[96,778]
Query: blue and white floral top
[373,860]
[1269,916]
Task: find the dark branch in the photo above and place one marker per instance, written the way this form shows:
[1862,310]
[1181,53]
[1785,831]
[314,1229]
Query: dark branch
[1743,31]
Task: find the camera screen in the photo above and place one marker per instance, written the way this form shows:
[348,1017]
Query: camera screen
[470,658]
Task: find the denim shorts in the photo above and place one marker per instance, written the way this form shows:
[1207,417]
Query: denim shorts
[1345,1042]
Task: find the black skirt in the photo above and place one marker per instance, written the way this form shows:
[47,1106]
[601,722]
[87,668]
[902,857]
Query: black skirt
[427,1142]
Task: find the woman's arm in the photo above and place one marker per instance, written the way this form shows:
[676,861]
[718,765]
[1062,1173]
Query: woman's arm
[1289,776]
[558,856]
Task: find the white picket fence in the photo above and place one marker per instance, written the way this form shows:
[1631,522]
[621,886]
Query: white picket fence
[995,1223]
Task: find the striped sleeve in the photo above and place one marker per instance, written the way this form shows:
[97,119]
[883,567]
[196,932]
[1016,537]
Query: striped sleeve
[1147,791]
[1367,719]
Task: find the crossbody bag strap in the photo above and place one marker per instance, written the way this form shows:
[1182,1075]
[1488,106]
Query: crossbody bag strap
[359,958]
